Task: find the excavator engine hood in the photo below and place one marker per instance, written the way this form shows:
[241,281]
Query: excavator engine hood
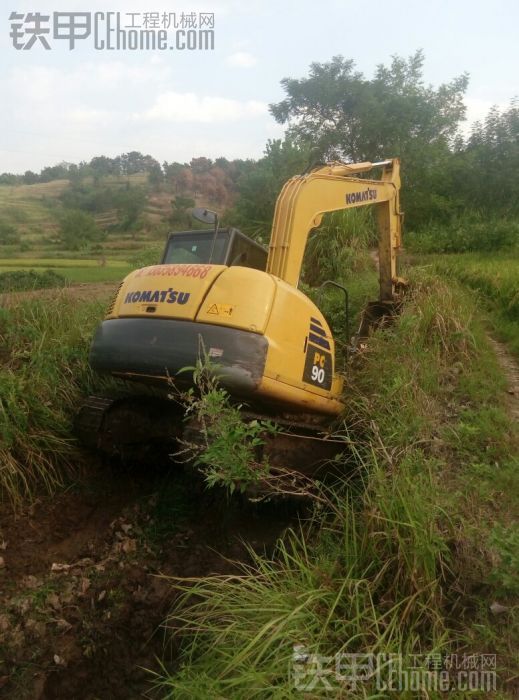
[165,291]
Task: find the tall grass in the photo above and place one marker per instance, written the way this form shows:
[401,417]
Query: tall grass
[469,232]
[495,279]
[340,245]
[43,373]
[387,566]
[361,579]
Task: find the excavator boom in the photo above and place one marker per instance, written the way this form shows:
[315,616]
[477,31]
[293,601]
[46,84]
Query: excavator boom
[305,198]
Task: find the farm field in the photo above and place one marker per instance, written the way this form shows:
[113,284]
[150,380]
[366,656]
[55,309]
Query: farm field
[74,271]
[494,278]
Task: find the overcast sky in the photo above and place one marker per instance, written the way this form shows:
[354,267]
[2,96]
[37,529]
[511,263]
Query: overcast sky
[67,105]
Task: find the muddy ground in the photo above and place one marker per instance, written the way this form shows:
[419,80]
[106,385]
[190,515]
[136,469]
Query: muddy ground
[81,600]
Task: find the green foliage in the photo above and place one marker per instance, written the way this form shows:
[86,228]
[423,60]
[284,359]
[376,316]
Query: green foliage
[130,203]
[347,116]
[89,197]
[77,229]
[393,559]
[486,170]
[227,454]
[95,198]
[43,373]
[465,233]
[326,594]
[340,114]
[259,186]
[22,280]
[505,543]
[340,246]
[495,279]
[180,214]
[145,258]
[8,234]
[362,287]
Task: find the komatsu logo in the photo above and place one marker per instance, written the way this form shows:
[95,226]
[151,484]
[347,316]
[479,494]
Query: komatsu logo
[170,296]
[362,196]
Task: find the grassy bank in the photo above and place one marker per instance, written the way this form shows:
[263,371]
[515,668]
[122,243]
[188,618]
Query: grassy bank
[494,277]
[43,373]
[411,551]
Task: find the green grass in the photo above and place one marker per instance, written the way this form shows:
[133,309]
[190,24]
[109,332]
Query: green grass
[495,280]
[404,557]
[109,273]
[74,271]
[43,374]
[469,231]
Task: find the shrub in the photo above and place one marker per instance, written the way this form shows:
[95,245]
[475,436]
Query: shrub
[24,280]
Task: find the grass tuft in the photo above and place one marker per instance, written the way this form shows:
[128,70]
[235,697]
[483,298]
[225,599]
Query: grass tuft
[43,373]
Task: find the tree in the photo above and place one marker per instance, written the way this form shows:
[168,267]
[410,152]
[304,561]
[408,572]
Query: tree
[340,114]
[102,166]
[180,215]
[130,205]
[487,167]
[156,176]
[200,165]
[30,178]
[54,172]
[77,229]
[260,183]
[10,179]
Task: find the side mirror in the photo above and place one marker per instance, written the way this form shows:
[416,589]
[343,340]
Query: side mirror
[206,216]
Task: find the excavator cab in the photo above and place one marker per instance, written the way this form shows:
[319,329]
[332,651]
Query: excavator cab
[227,246]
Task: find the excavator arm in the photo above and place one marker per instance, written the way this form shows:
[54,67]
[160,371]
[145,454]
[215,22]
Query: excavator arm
[305,198]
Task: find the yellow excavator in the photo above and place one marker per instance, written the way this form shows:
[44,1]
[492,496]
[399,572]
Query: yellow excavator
[272,345]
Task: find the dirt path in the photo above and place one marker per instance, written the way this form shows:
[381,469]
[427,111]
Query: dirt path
[510,369]
[80,600]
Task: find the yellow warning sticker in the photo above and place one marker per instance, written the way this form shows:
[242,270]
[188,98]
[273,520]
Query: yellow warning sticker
[220,309]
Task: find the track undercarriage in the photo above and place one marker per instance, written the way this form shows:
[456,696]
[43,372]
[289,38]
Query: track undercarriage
[136,428]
